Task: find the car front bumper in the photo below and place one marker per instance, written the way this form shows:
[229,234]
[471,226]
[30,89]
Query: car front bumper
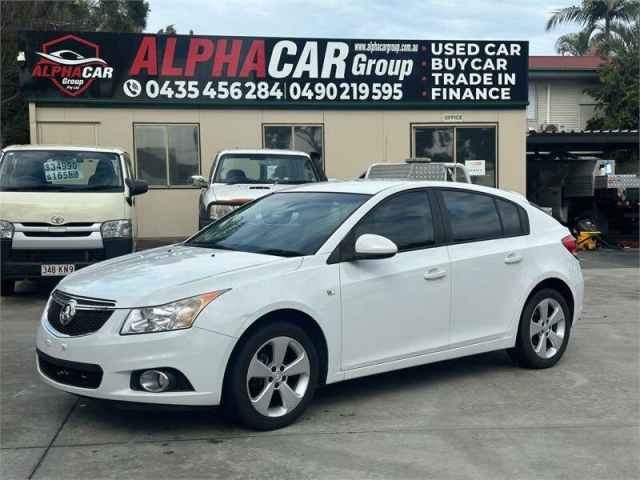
[18,263]
[199,354]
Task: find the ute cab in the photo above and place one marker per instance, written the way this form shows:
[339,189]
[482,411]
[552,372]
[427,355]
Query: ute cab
[241,176]
[63,208]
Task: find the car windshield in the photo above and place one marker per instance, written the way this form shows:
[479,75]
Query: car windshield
[265,168]
[286,224]
[60,170]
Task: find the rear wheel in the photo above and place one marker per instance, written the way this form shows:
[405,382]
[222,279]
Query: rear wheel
[543,333]
[8,287]
[272,377]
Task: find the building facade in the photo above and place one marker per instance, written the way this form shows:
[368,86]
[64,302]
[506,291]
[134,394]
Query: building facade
[174,102]
[557,97]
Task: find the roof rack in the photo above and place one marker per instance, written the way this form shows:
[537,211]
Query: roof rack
[419,169]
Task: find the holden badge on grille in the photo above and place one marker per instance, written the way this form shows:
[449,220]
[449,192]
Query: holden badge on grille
[68,312]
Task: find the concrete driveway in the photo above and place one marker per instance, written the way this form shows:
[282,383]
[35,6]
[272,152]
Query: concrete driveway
[477,417]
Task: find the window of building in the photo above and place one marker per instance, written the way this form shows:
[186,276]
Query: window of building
[533,102]
[472,216]
[167,155]
[405,219]
[473,144]
[306,138]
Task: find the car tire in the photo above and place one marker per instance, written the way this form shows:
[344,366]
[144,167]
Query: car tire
[7,287]
[544,330]
[258,391]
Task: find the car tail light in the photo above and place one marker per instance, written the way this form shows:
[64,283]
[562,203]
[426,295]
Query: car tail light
[570,244]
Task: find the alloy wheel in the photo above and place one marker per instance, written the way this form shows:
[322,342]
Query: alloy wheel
[278,376]
[547,328]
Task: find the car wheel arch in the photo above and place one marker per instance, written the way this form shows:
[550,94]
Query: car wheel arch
[558,285]
[296,317]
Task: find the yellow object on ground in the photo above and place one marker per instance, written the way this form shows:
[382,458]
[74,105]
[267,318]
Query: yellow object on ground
[588,240]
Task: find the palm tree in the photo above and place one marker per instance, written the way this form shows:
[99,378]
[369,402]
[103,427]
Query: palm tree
[600,15]
[577,44]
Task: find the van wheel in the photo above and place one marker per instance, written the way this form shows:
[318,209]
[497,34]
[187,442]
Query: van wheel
[8,287]
[272,377]
[543,333]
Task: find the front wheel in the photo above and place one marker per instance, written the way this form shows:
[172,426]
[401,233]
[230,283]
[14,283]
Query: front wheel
[543,333]
[272,377]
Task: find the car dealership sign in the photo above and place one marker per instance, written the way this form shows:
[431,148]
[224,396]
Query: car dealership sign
[272,72]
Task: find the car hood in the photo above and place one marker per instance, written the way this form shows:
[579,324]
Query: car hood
[72,206]
[242,192]
[165,274]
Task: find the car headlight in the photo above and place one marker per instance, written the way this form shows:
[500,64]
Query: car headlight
[6,229]
[171,316]
[217,210]
[116,229]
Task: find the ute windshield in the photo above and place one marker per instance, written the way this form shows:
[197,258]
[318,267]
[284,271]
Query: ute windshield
[265,168]
[60,170]
[287,224]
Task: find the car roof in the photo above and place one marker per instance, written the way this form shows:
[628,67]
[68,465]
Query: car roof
[70,148]
[263,151]
[373,187]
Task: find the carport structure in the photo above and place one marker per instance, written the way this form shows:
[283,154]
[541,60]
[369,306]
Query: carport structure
[566,172]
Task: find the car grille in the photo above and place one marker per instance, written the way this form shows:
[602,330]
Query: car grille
[91,314]
[85,375]
[52,256]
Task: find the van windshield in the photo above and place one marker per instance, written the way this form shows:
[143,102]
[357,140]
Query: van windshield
[265,168]
[60,170]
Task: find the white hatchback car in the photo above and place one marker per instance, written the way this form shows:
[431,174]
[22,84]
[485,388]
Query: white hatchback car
[311,286]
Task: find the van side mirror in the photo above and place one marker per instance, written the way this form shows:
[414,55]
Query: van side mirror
[370,246]
[199,181]
[137,187]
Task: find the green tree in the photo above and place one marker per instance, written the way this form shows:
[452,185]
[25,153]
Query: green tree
[75,15]
[599,15]
[617,94]
[168,30]
[579,43]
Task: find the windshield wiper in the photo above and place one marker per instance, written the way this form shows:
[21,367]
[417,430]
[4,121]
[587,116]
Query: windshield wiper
[279,252]
[209,245]
[33,188]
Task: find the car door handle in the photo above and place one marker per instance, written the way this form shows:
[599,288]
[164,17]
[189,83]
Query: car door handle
[434,274]
[512,258]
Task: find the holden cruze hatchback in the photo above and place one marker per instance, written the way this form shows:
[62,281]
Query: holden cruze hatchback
[311,286]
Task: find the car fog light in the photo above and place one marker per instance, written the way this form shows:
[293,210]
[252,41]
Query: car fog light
[155,381]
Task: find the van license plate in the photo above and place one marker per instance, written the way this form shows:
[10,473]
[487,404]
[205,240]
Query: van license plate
[61,270]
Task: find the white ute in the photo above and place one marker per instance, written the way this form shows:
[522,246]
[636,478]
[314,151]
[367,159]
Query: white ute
[323,283]
[241,176]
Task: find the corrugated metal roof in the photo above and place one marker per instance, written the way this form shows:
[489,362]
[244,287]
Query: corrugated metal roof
[565,62]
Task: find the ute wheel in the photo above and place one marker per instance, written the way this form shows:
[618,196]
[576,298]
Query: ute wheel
[543,333]
[272,377]
[8,287]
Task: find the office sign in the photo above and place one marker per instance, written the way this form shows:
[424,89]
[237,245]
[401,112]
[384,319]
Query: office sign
[272,72]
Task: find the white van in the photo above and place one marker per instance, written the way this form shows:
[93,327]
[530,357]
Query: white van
[63,208]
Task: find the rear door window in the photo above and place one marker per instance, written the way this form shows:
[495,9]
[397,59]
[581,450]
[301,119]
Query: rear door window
[472,216]
[510,216]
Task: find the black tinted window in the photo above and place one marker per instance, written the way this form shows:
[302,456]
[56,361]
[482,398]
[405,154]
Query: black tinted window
[404,219]
[472,216]
[510,217]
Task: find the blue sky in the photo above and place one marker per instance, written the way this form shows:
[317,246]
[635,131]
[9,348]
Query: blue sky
[423,19]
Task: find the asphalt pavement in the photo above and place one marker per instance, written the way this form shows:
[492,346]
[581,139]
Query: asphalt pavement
[476,417]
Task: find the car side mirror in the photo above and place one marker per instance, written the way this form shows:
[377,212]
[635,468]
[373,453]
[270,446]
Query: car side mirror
[370,246]
[137,187]
[199,181]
